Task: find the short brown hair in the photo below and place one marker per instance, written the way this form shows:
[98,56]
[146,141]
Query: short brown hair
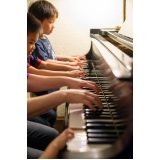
[33,24]
[42,9]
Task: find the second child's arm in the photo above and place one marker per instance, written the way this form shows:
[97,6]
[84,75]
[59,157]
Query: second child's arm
[36,83]
[41,104]
[71,59]
[73,63]
[74,74]
[57,67]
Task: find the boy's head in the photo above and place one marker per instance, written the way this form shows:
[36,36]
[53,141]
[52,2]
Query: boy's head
[34,30]
[45,12]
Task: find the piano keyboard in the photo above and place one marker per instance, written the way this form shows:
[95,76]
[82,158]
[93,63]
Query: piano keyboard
[108,132]
[96,131]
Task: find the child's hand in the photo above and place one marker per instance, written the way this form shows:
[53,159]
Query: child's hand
[75,83]
[83,96]
[78,68]
[78,63]
[57,144]
[77,74]
[75,59]
[61,140]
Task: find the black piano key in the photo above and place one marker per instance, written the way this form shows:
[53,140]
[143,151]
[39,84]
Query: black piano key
[95,106]
[105,106]
[107,99]
[101,97]
[104,109]
[101,140]
[115,133]
[101,130]
[101,135]
[96,113]
[103,84]
[103,112]
[103,100]
[95,78]
[110,130]
[107,121]
[109,104]
[97,117]
[100,125]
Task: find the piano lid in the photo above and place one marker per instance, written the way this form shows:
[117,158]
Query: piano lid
[124,35]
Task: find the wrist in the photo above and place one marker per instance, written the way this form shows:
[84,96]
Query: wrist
[66,81]
[64,95]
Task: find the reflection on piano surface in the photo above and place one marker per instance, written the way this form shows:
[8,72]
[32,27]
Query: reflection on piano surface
[107,132]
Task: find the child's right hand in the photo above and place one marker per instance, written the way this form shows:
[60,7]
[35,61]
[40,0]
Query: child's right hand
[82,96]
[81,63]
[57,144]
[61,140]
[77,74]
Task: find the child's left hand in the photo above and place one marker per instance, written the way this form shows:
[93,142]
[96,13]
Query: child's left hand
[75,59]
[78,63]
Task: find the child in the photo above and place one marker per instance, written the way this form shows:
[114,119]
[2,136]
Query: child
[46,13]
[33,31]
[39,64]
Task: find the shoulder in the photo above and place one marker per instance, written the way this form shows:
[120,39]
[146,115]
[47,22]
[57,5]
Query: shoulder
[39,42]
[33,57]
[42,42]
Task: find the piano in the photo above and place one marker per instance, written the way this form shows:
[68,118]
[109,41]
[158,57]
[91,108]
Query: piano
[105,133]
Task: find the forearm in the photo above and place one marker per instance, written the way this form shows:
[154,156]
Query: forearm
[41,104]
[44,72]
[36,83]
[58,62]
[55,66]
[64,63]
[50,152]
[59,67]
[62,58]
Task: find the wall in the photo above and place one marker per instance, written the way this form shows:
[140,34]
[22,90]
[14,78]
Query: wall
[129,8]
[76,17]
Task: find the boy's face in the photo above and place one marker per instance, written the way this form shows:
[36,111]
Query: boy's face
[31,40]
[48,25]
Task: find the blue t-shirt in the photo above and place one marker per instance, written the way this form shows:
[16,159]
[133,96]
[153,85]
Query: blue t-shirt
[33,61]
[44,51]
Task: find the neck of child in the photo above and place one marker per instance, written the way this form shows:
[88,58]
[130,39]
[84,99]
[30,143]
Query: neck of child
[42,36]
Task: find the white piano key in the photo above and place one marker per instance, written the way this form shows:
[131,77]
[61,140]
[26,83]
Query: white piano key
[76,112]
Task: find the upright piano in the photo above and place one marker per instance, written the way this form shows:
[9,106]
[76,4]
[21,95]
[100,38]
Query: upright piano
[108,132]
